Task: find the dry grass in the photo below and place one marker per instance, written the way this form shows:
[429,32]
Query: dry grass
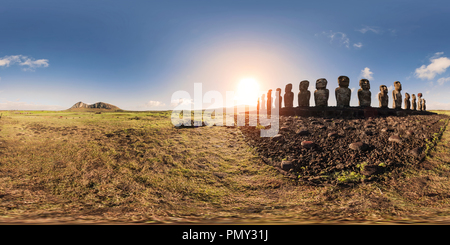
[129,166]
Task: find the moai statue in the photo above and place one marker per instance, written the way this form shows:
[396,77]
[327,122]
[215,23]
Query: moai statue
[343,93]
[257,112]
[364,94]
[269,103]
[424,107]
[397,96]
[407,102]
[383,97]
[263,102]
[257,107]
[304,95]
[278,97]
[322,93]
[413,103]
[288,96]
[419,106]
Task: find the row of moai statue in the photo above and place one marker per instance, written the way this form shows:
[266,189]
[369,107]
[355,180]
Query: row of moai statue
[343,94]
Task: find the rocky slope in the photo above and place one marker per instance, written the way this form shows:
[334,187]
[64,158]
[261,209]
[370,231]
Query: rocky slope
[336,150]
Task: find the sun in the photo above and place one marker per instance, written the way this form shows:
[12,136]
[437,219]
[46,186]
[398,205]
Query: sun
[247,92]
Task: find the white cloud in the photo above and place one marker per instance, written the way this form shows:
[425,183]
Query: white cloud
[152,103]
[32,64]
[373,29]
[8,60]
[339,36]
[442,80]
[20,105]
[357,45]
[22,60]
[438,66]
[366,73]
[437,54]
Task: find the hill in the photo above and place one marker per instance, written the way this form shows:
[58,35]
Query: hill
[97,106]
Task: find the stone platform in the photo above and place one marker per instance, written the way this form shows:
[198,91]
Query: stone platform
[347,112]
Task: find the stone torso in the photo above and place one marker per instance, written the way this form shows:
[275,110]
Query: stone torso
[365,97]
[278,98]
[397,99]
[289,99]
[343,97]
[407,104]
[383,100]
[321,97]
[303,98]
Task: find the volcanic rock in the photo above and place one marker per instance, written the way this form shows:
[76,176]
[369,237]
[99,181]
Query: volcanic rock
[395,138]
[307,144]
[286,165]
[358,146]
[416,151]
[332,134]
[278,138]
[303,132]
[368,132]
[409,132]
[370,170]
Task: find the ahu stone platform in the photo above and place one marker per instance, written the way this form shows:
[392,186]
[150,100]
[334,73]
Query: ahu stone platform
[348,112]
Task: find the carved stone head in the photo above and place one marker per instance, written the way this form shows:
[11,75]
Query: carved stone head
[321,83]
[420,95]
[364,84]
[278,91]
[343,81]
[304,85]
[413,96]
[407,96]
[383,89]
[397,86]
[288,88]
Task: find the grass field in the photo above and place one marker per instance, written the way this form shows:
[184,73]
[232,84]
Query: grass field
[79,166]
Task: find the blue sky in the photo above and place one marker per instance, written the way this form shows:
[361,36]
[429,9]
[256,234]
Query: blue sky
[136,54]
